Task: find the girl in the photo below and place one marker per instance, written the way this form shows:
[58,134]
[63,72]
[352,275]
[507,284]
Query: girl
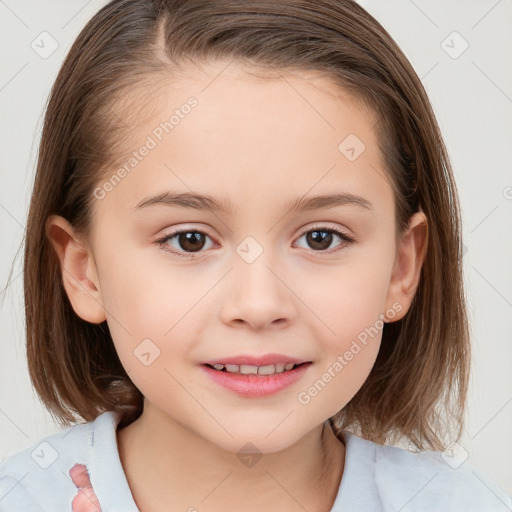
[243,271]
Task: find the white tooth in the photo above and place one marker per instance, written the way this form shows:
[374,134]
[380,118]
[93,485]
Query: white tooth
[279,367]
[267,370]
[247,369]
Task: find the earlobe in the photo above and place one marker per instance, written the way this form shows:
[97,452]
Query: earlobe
[78,270]
[408,263]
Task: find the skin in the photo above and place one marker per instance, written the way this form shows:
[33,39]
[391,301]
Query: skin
[85,499]
[259,143]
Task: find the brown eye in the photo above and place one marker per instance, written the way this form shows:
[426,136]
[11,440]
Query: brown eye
[320,239]
[187,242]
[191,241]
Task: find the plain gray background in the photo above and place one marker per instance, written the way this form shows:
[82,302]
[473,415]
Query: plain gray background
[471,92]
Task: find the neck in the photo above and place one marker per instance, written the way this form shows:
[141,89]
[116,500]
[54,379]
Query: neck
[167,464]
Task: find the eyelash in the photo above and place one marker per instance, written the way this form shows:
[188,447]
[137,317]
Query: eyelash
[161,242]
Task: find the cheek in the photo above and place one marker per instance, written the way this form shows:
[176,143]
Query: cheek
[348,341]
[152,307]
[349,301]
[144,292]
[339,379]
[350,295]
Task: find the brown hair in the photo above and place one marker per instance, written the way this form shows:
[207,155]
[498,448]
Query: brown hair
[419,382]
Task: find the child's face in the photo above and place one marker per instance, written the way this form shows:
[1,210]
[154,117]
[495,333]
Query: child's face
[259,145]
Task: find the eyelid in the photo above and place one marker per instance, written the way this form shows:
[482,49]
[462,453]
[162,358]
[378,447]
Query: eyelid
[319,226]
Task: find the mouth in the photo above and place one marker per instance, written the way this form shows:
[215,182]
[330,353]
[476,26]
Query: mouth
[251,381]
[264,370]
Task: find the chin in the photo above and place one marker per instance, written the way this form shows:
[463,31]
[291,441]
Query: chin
[257,442]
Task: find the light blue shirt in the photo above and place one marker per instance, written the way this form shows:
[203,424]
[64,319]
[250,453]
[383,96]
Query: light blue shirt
[376,478]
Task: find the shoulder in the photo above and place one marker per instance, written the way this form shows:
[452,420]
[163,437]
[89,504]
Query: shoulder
[37,478]
[431,480]
[423,480]
[15,498]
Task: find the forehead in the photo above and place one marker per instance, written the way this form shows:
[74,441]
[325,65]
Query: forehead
[241,132]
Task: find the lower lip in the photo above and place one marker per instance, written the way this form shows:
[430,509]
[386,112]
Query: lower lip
[256,385]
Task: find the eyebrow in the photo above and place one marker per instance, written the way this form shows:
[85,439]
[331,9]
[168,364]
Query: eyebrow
[209,203]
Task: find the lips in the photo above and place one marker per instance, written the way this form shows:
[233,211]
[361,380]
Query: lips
[262,360]
[255,386]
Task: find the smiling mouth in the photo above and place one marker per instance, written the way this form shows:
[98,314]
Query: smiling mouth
[246,369]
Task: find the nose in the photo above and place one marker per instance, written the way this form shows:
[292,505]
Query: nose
[258,295]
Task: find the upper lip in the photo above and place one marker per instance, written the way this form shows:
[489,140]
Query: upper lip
[263,360]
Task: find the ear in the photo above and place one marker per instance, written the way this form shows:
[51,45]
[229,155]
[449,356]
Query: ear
[78,268]
[406,269]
